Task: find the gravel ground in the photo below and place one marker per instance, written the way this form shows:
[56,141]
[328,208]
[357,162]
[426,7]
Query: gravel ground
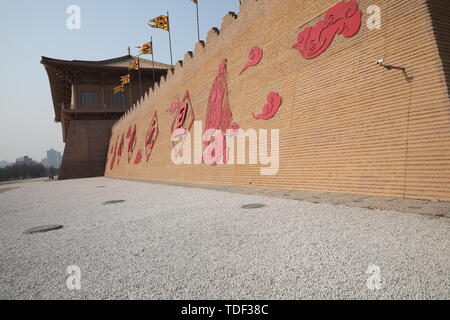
[170,242]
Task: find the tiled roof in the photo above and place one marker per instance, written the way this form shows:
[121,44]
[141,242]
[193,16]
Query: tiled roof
[120,62]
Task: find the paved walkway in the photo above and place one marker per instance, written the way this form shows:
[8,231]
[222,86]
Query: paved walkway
[177,242]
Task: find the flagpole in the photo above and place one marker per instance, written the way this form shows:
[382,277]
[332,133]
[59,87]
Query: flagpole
[131,89]
[139,72]
[153,61]
[170,39]
[198,22]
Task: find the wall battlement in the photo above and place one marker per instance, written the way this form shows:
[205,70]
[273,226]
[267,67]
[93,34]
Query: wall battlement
[211,37]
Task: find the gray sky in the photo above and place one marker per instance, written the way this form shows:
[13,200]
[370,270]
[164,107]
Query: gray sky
[31,29]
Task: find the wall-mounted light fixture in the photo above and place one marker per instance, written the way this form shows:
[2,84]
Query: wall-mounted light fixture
[389,67]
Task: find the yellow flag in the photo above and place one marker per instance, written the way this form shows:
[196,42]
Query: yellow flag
[134,65]
[161,22]
[146,48]
[125,79]
[118,88]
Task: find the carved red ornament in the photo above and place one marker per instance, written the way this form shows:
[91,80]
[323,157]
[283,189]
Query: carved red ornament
[185,113]
[184,119]
[216,149]
[173,106]
[128,136]
[152,135]
[271,107]
[255,56]
[181,116]
[138,159]
[233,130]
[113,160]
[218,113]
[344,18]
[132,144]
[120,149]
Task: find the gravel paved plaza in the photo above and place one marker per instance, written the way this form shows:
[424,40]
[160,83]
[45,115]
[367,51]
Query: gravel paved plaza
[175,242]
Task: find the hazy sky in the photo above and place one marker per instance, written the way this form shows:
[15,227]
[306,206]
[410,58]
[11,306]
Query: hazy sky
[31,29]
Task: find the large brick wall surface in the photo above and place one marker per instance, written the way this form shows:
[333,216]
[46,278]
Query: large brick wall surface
[346,124]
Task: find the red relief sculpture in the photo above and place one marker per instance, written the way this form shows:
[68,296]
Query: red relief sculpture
[110,152]
[128,136]
[218,113]
[113,160]
[181,116]
[132,144]
[344,18]
[255,56]
[120,149]
[152,135]
[271,108]
[138,159]
[233,130]
[216,148]
[184,120]
[184,112]
[173,106]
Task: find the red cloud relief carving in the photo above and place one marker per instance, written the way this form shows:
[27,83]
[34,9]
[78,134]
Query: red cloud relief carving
[271,108]
[255,56]
[344,18]
[152,135]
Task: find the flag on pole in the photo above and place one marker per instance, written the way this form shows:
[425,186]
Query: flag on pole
[134,65]
[195,1]
[125,79]
[119,88]
[161,22]
[146,48]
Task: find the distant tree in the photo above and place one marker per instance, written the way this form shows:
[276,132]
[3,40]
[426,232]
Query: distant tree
[52,171]
[21,171]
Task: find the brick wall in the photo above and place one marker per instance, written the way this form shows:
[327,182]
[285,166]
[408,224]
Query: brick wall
[346,125]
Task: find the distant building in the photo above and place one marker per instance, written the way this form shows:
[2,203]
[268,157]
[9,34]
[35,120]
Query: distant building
[53,159]
[4,163]
[25,160]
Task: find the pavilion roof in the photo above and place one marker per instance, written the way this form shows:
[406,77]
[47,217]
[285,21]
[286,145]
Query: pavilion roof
[119,63]
[60,85]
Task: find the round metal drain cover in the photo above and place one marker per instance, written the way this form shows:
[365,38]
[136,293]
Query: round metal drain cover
[42,229]
[253,206]
[113,202]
